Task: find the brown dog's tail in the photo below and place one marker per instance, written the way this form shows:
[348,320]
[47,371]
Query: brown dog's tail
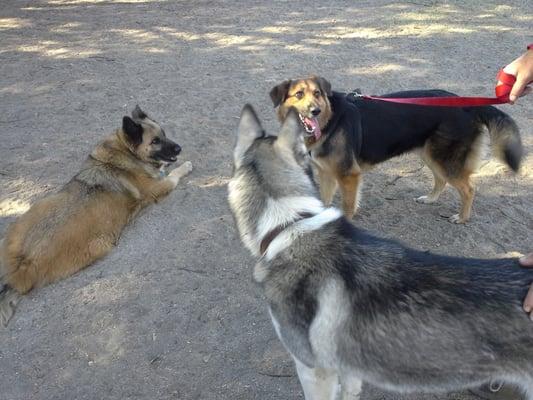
[504,136]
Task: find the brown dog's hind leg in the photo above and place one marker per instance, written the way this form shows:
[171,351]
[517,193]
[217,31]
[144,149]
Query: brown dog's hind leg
[23,279]
[9,299]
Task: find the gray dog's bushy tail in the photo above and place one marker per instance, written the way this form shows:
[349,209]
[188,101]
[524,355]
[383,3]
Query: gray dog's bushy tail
[504,136]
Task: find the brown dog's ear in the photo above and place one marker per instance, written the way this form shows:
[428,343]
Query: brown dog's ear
[133,131]
[324,84]
[278,94]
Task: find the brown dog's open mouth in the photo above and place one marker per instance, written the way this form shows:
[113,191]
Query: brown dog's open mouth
[167,158]
[311,126]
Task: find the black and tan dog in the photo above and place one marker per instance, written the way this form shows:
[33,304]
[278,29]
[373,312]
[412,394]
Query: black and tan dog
[347,134]
[68,230]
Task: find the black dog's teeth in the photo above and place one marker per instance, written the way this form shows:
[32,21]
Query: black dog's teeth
[308,129]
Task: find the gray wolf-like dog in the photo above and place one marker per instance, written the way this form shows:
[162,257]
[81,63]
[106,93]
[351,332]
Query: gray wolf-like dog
[352,307]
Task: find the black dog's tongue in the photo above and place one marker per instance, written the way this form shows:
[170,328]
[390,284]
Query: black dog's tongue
[313,123]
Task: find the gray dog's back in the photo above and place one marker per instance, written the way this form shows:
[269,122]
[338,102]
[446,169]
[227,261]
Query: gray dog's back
[412,317]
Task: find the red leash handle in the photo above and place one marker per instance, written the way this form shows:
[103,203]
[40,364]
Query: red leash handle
[502,96]
[504,88]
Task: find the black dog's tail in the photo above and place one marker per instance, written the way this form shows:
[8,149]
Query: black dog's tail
[504,136]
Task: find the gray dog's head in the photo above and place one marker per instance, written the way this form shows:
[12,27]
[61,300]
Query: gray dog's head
[269,172]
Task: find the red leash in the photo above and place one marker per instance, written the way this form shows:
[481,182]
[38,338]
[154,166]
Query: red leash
[502,96]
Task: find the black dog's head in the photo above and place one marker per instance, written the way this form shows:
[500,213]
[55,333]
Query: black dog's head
[309,97]
[148,140]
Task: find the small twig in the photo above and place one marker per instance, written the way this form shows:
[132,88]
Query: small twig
[193,271]
[102,58]
[275,375]
[394,180]
[398,177]
[414,170]
[484,165]
[419,4]
[10,121]
[512,219]
[155,359]
[498,244]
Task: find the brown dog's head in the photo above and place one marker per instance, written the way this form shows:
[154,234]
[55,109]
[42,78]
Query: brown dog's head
[309,97]
[147,140]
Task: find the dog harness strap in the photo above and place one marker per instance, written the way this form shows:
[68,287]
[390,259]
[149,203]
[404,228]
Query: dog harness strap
[530,46]
[502,96]
[270,236]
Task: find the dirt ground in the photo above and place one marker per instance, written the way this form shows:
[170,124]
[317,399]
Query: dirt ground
[172,313]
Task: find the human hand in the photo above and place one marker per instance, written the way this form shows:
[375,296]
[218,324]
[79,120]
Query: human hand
[522,68]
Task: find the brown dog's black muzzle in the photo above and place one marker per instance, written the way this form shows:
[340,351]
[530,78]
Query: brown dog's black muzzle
[169,151]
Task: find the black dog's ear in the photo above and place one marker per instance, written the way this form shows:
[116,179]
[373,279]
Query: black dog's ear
[133,131]
[324,84]
[138,114]
[278,94]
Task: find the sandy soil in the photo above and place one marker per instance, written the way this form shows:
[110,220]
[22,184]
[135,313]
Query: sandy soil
[172,312]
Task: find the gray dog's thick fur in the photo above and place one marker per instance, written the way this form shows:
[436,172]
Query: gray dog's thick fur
[352,307]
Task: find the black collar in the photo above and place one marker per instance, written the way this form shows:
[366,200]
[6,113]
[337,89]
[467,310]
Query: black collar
[270,236]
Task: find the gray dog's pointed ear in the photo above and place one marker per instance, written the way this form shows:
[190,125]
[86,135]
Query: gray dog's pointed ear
[291,131]
[324,84]
[138,114]
[278,94]
[249,130]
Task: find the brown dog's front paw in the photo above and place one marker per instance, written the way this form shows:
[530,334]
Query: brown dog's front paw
[182,170]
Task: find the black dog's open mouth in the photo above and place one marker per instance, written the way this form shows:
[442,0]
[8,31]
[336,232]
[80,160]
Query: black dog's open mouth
[311,126]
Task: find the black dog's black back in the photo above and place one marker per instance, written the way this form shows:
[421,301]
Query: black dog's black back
[390,129]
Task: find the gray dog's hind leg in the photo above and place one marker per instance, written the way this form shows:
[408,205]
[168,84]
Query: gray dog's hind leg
[317,383]
[351,387]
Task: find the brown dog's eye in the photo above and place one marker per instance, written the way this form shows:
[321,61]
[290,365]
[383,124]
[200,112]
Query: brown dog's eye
[299,95]
[317,93]
[156,140]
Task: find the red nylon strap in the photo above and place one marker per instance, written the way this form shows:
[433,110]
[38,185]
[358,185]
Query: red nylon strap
[443,101]
[502,96]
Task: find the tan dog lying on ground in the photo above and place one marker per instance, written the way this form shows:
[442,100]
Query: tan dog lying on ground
[68,230]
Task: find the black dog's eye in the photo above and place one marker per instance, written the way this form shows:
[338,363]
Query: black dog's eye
[299,95]
[156,140]
[317,93]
